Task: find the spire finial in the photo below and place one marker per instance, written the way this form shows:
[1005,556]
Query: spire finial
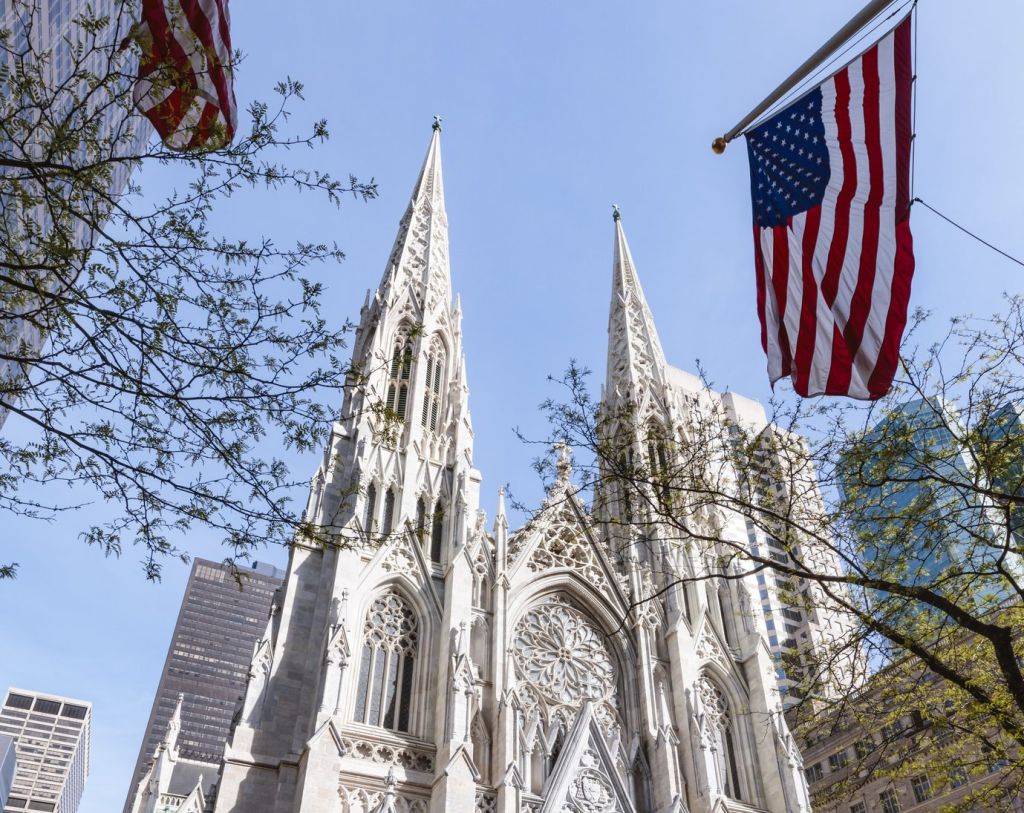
[437,123]
[616,214]
[563,466]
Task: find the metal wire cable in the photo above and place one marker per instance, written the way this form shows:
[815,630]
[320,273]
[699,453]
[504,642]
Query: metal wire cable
[969,233]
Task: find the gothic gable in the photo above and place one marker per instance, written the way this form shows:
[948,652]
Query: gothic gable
[402,556]
[585,777]
[710,647]
[561,537]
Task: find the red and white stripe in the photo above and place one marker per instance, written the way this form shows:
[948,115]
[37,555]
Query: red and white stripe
[833,284]
[185,85]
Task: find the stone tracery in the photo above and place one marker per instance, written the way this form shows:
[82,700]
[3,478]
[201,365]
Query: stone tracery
[563,656]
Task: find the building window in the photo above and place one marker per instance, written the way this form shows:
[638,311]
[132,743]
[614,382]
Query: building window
[19,701]
[437,533]
[421,521]
[434,382]
[997,765]
[922,788]
[814,773]
[390,639]
[46,706]
[401,370]
[958,777]
[371,507]
[718,721]
[838,760]
[863,747]
[889,800]
[389,511]
[657,455]
[858,807]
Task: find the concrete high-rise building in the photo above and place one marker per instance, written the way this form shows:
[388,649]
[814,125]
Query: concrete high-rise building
[429,663]
[52,742]
[8,763]
[221,618]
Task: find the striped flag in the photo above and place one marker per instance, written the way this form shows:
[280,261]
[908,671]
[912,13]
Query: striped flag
[830,184]
[185,86]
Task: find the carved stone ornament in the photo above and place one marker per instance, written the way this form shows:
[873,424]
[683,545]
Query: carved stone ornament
[715,706]
[486,802]
[591,792]
[708,649]
[399,560]
[363,800]
[562,655]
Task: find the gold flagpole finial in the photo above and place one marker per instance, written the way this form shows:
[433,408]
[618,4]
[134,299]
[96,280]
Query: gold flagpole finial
[718,145]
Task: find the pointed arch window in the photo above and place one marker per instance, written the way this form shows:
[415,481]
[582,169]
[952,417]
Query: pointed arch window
[437,533]
[435,365]
[658,459]
[401,372]
[626,468]
[389,511]
[718,725]
[390,642]
[421,521]
[371,507]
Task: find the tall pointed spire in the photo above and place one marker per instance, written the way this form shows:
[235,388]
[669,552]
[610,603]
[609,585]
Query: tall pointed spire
[635,357]
[419,257]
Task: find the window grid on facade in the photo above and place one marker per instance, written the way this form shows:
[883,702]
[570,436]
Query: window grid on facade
[52,740]
[386,671]
[210,655]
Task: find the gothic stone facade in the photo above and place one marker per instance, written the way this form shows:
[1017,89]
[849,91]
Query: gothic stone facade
[431,664]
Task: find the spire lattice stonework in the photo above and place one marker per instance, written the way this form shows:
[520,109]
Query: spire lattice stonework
[635,357]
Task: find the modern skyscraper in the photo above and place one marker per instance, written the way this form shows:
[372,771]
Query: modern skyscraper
[800,631]
[52,739]
[1004,432]
[50,33]
[427,664]
[220,620]
[921,500]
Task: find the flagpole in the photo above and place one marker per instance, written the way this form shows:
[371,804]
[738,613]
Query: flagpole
[872,9]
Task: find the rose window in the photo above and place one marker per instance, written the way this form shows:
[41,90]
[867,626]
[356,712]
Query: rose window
[563,656]
[391,624]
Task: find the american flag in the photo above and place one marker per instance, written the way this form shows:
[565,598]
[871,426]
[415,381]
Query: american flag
[185,86]
[830,183]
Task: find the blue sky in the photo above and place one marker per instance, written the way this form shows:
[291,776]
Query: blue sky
[552,112]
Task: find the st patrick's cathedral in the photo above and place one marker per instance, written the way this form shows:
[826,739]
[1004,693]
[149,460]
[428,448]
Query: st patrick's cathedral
[464,666]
